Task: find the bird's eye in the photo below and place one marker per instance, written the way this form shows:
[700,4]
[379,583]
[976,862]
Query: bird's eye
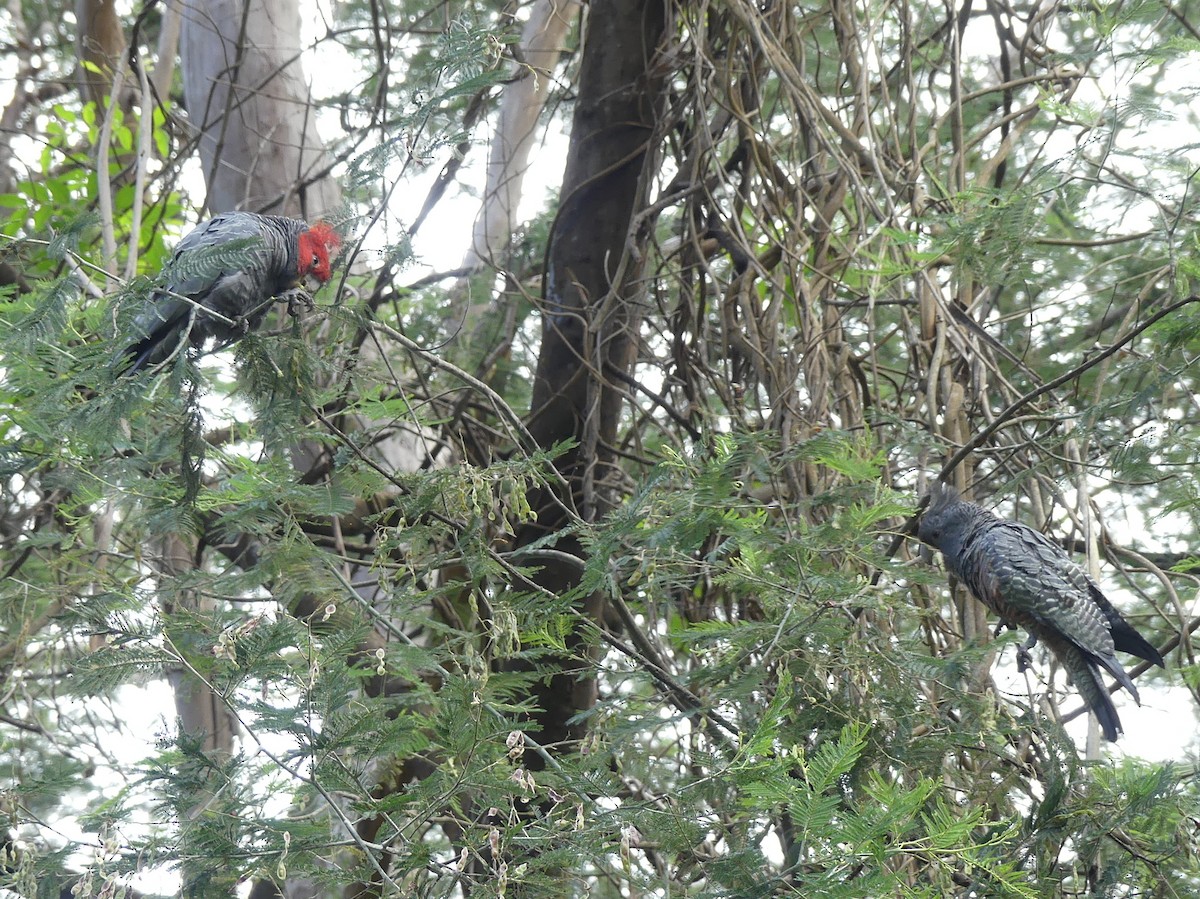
[313,264]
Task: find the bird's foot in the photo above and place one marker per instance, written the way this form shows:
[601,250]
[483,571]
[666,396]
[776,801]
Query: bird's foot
[1001,627]
[298,299]
[1024,659]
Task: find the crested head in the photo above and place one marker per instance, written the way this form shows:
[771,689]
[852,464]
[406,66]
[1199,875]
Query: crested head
[317,246]
[941,496]
[944,520]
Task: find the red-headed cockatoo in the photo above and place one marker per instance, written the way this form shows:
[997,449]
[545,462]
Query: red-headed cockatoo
[224,276]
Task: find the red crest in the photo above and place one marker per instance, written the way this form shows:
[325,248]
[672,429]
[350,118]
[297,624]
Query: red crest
[317,246]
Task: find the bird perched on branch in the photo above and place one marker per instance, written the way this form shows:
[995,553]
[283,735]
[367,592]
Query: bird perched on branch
[224,276]
[1030,581]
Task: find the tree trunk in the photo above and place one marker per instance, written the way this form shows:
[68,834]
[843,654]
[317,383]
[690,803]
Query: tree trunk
[590,304]
[99,42]
[479,324]
[247,96]
[520,106]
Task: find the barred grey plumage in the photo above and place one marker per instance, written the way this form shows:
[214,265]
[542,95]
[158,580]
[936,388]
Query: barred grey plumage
[1030,581]
[233,265]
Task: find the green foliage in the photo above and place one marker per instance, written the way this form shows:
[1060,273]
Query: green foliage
[355,558]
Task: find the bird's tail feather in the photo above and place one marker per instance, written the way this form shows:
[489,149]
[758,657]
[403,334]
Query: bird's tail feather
[137,357]
[1085,672]
[150,351]
[1114,668]
[1126,639]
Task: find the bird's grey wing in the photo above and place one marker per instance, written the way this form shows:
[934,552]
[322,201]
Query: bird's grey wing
[189,274]
[1053,593]
[224,244]
[1039,576]
[1125,638]
[157,330]
[233,226]
[227,298]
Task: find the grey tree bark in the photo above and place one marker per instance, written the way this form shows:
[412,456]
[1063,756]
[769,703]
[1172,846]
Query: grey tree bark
[477,319]
[247,96]
[520,107]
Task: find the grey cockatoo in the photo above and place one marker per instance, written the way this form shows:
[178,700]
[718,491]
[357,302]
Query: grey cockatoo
[233,265]
[1030,581]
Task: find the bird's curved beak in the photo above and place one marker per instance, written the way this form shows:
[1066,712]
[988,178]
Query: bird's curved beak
[309,283]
